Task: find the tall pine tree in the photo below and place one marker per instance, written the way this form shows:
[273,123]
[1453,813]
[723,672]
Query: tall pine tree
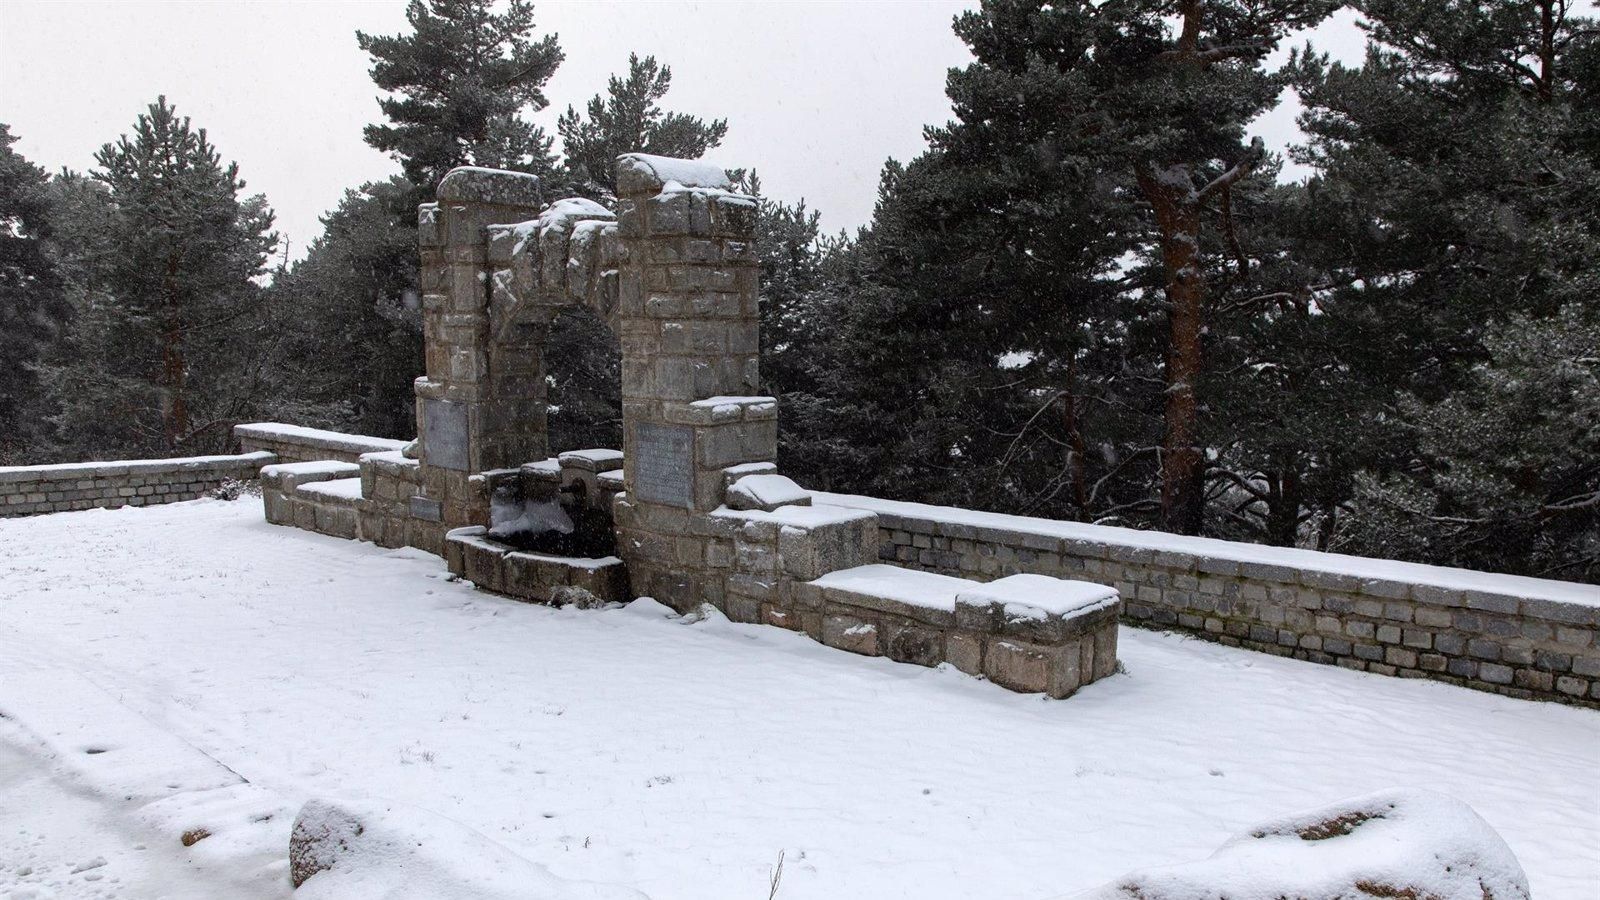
[32,303]
[460,84]
[629,119]
[178,275]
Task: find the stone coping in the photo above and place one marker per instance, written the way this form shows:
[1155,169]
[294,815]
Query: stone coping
[279,432]
[1389,579]
[593,460]
[70,471]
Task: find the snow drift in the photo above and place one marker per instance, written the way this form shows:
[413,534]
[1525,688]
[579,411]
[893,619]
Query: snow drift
[1415,845]
[393,852]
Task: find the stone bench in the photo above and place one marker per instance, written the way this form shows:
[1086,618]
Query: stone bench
[1028,633]
[807,568]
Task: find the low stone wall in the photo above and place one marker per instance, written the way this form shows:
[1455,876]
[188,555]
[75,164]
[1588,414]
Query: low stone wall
[292,443]
[36,490]
[1523,637]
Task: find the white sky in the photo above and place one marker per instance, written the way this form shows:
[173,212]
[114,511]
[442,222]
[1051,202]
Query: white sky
[817,94]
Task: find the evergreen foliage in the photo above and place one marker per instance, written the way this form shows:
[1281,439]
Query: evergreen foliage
[166,359]
[460,83]
[629,119]
[1091,298]
[32,303]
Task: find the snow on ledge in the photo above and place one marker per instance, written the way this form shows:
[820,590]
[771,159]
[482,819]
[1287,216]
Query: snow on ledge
[251,460]
[639,173]
[1027,596]
[315,437]
[1337,564]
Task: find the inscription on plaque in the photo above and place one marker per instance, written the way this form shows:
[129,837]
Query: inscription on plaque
[444,440]
[664,464]
[427,510]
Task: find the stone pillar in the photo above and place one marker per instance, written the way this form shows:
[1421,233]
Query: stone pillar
[688,321]
[481,405]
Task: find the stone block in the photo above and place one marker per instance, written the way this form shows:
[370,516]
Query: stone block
[814,551]
[964,650]
[910,643]
[850,633]
[336,520]
[1571,686]
[1031,668]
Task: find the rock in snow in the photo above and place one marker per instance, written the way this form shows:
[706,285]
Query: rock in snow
[1400,844]
[393,852]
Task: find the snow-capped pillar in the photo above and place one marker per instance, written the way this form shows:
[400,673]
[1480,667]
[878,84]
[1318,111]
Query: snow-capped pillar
[688,320]
[481,404]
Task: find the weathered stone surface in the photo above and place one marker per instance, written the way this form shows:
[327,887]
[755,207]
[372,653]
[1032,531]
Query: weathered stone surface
[472,184]
[850,633]
[1032,668]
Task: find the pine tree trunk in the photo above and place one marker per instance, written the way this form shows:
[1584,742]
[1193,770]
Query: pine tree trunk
[1075,442]
[1283,510]
[1182,467]
[175,412]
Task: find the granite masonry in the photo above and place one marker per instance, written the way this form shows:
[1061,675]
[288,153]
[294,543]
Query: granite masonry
[692,510]
[36,490]
[696,511]
[1522,637]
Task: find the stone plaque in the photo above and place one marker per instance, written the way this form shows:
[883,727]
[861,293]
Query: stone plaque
[444,443]
[663,464]
[427,510]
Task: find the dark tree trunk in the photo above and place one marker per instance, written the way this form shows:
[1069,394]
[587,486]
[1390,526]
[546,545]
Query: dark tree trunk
[175,406]
[1177,210]
[1283,509]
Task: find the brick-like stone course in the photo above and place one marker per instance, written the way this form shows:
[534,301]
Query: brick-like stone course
[37,490]
[1529,647]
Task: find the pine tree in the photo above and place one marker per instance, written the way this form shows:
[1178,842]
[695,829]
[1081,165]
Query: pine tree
[460,84]
[32,304]
[182,253]
[1507,467]
[354,297]
[584,358]
[1055,256]
[1453,211]
[629,119]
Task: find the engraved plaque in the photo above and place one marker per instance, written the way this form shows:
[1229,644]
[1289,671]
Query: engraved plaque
[664,464]
[427,510]
[444,444]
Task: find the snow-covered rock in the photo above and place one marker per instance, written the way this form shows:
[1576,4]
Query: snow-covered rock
[1401,844]
[395,852]
[766,492]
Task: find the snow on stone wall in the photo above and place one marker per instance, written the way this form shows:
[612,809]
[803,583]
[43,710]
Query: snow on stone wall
[1523,637]
[293,443]
[36,490]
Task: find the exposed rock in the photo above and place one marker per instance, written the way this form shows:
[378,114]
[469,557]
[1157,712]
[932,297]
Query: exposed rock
[400,853]
[1401,844]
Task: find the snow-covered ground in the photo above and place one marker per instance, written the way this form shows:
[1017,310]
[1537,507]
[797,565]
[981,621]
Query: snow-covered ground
[230,670]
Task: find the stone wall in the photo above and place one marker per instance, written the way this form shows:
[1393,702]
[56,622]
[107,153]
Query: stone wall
[292,443]
[36,490]
[1523,637]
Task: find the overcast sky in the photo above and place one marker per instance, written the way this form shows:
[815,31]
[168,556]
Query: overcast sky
[817,94]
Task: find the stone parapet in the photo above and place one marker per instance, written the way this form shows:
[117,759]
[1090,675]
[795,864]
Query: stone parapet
[1523,637]
[294,443]
[37,490]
